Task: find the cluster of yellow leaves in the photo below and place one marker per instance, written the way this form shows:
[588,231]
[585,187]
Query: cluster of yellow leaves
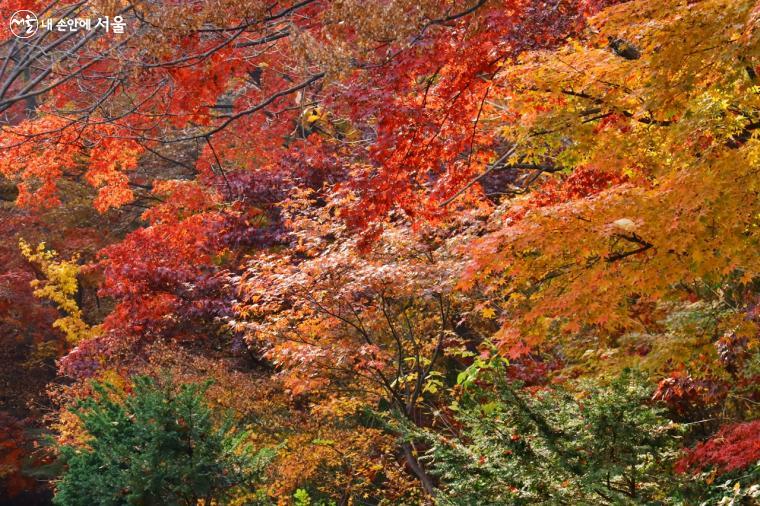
[68,426]
[60,286]
[678,121]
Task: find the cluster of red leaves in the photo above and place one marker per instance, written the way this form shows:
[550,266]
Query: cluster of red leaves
[163,278]
[735,446]
[533,370]
[585,181]
[196,88]
[38,152]
[12,454]
[684,394]
[424,108]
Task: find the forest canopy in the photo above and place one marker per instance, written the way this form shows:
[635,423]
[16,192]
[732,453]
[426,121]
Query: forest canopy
[375,252]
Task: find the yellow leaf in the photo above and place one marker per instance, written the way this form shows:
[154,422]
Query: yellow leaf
[488,312]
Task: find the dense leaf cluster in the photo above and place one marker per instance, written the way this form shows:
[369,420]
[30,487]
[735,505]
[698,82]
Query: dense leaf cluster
[454,251]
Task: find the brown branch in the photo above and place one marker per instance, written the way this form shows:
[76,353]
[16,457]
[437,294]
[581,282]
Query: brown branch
[490,169]
[644,246]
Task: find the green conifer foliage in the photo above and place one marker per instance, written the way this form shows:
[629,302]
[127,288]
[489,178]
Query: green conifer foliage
[157,445]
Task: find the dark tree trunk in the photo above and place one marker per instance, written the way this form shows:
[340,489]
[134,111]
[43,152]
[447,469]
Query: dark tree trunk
[425,479]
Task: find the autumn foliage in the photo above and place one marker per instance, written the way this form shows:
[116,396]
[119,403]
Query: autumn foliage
[415,245]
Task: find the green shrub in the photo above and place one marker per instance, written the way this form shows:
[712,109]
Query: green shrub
[159,445]
[596,445]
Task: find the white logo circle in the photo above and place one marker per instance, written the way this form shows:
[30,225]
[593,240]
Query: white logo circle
[24,24]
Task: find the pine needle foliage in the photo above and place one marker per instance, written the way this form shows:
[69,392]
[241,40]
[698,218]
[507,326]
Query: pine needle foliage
[160,444]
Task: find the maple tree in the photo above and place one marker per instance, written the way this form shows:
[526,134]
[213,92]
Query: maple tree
[372,222]
[355,331]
